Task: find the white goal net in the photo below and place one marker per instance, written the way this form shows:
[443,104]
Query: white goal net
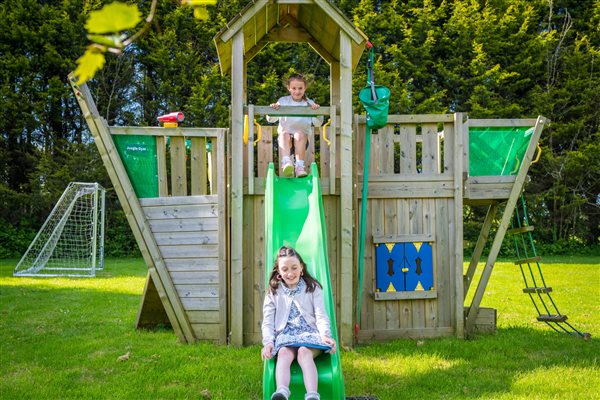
[71,241]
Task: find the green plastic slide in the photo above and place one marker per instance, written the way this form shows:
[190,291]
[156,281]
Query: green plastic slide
[294,217]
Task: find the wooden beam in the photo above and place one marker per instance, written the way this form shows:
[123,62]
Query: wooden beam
[133,212]
[240,20]
[408,295]
[198,166]
[346,299]
[254,50]
[481,241]
[236,317]
[457,232]
[178,166]
[410,238]
[413,118]
[288,34]
[298,111]
[159,131]
[486,123]
[161,163]
[221,190]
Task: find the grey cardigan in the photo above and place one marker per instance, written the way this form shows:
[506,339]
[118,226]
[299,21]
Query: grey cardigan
[276,310]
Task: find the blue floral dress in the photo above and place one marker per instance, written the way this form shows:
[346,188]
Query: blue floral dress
[297,332]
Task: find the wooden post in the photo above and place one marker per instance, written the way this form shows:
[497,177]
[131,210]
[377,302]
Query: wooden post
[161,160]
[218,154]
[458,227]
[346,202]
[199,176]
[236,314]
[481,241]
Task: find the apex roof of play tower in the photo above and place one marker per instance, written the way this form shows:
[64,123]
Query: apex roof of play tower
[316,22]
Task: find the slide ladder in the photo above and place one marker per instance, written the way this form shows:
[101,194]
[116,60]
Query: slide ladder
[535,285]
[294,217]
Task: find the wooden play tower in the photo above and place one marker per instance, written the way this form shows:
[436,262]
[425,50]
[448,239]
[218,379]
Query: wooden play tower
[197,207]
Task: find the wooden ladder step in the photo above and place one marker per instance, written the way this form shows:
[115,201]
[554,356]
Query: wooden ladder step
[514,231]
[537,290]
[552,318]
[528,260]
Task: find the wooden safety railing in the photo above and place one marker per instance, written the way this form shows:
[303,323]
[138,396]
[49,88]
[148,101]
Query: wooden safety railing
[189,160]
[412,156]
[259,142]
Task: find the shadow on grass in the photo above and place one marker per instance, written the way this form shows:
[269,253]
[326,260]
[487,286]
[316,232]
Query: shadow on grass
[490,366]
[113,267]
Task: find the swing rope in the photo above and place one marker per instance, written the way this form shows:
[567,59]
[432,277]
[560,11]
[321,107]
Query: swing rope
[375,99]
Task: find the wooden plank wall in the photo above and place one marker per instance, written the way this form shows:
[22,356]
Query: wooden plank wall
[411,193]
[186,229]
[188,224]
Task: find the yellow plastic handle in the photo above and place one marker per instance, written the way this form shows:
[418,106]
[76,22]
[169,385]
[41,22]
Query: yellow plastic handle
[246,129]
[259,129]
[245,137]
[325,132]
[539,154]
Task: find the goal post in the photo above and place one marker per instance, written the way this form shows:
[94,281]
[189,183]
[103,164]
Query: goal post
[71,240]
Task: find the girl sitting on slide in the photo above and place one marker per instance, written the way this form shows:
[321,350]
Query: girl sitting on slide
[297,129]
[295,323]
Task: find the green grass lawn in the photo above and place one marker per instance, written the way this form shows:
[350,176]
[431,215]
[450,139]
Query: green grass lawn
[62,338]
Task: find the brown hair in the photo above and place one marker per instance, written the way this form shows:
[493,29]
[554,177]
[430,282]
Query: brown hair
[285,251]
[301,78]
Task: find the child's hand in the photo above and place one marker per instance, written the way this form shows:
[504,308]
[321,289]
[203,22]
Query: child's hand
[314,106]
[329,341]
[267,352]
[275,105]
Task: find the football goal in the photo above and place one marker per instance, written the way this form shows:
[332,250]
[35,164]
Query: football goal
[71,241]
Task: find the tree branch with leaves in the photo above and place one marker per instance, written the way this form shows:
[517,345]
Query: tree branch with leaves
[107,30]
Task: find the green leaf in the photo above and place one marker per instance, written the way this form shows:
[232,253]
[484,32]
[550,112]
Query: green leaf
[201,13]
[114,17]
[88,64]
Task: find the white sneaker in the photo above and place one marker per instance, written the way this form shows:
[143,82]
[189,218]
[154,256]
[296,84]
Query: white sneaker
[300,171]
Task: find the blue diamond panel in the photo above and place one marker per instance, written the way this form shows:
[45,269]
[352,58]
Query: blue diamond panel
[403,267]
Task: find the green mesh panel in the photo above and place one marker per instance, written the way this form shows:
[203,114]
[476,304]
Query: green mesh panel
[497,150]
[138,154]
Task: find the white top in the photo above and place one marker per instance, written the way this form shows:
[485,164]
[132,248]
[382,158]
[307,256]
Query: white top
[276,310]
[295,124]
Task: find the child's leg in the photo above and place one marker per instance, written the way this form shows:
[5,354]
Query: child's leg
[300,141]
[285,356]
[309,369]
[285,146]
